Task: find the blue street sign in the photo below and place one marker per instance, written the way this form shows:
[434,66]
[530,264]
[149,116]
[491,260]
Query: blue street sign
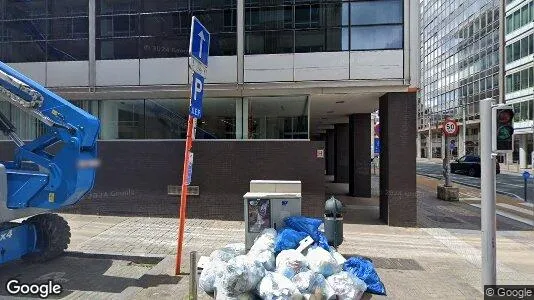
[197,93]
[526,175]
[199,42]
[377,145]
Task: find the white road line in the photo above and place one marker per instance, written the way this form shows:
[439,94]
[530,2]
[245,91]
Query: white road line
[511,216]
[511,184]
[527,204]
[515,208]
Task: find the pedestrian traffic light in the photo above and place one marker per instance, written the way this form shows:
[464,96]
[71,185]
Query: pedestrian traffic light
[503,129]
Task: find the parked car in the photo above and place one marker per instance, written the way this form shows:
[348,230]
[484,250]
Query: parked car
[470,165]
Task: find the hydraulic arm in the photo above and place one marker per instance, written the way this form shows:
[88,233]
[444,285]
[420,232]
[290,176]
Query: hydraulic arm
[54,170]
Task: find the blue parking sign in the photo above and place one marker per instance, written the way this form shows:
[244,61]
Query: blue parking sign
[197,93]
[199,42]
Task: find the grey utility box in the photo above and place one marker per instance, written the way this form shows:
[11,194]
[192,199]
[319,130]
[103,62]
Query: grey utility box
[268,210]
[275,186]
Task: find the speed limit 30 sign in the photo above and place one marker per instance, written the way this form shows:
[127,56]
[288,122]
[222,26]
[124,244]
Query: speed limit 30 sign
[450,127]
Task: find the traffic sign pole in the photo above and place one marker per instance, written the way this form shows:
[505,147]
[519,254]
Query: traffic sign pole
[199,45]
[183,196]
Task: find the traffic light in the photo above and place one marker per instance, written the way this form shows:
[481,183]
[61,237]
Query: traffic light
[503,129]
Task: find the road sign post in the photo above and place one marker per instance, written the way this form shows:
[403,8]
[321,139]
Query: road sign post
[199,44]
[450,128]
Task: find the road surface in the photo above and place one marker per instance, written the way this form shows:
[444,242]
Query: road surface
[508,184]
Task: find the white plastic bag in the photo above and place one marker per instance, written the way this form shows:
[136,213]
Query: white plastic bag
[265,241]
[266,258]
[245,296]
[238,248]
[206,281]
[346,287]
[275,286]
[310,282]
[322,262]
[223,254]
[290,262]
[240,276]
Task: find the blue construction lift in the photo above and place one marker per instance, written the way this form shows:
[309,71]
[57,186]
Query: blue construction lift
[53,171]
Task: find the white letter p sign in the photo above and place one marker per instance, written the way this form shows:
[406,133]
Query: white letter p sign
[198,87]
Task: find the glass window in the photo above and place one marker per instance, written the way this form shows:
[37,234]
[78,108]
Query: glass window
[68,8]
[122,119]
[524,79]
[33,51]
[376,12]
[376,37]
[269,42]
[64,50]
[278,118]
[119,48]
[524,111]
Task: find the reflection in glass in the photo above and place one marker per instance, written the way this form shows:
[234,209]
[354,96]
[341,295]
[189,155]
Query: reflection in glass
[278,118]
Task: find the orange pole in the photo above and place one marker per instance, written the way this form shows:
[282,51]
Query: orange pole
[183,198]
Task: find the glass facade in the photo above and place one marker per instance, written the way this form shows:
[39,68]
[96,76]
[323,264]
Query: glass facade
[43,30]
[268,118]
[129,29]
[459,59]
[295,26]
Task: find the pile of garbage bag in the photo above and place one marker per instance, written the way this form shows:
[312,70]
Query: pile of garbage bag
[274,268]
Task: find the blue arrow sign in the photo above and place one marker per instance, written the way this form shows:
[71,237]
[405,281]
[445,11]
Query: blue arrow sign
[199,42]
[526,175]
[197,94]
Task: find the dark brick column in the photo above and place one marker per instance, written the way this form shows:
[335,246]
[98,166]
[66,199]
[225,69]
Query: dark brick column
[341,153]
[360,155]
[330,152]
[398,199]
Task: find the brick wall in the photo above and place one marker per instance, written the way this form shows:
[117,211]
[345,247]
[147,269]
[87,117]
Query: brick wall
[134,176]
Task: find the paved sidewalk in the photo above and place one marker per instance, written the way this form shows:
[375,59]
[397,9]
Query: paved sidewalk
[133,257]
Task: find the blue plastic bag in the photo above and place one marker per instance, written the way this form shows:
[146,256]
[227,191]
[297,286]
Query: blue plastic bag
[309,226]
[288,238]
[364,270]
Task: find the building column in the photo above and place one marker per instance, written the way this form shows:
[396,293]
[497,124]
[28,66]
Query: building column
[398,199]
[523,143]
[330,150]
[461,144]
[341,153]
[359,155]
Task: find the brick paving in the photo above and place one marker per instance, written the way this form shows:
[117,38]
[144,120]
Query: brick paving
[133,257]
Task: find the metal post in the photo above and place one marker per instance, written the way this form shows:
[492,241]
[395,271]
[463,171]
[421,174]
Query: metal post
[193,276]
[446,164]
[487,191]
[525,189]
[464,129]
[502,43]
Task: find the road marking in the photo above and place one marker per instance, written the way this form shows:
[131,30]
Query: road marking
[510,184]
[464,250]
[518,209]
[510,216]
[527,204]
